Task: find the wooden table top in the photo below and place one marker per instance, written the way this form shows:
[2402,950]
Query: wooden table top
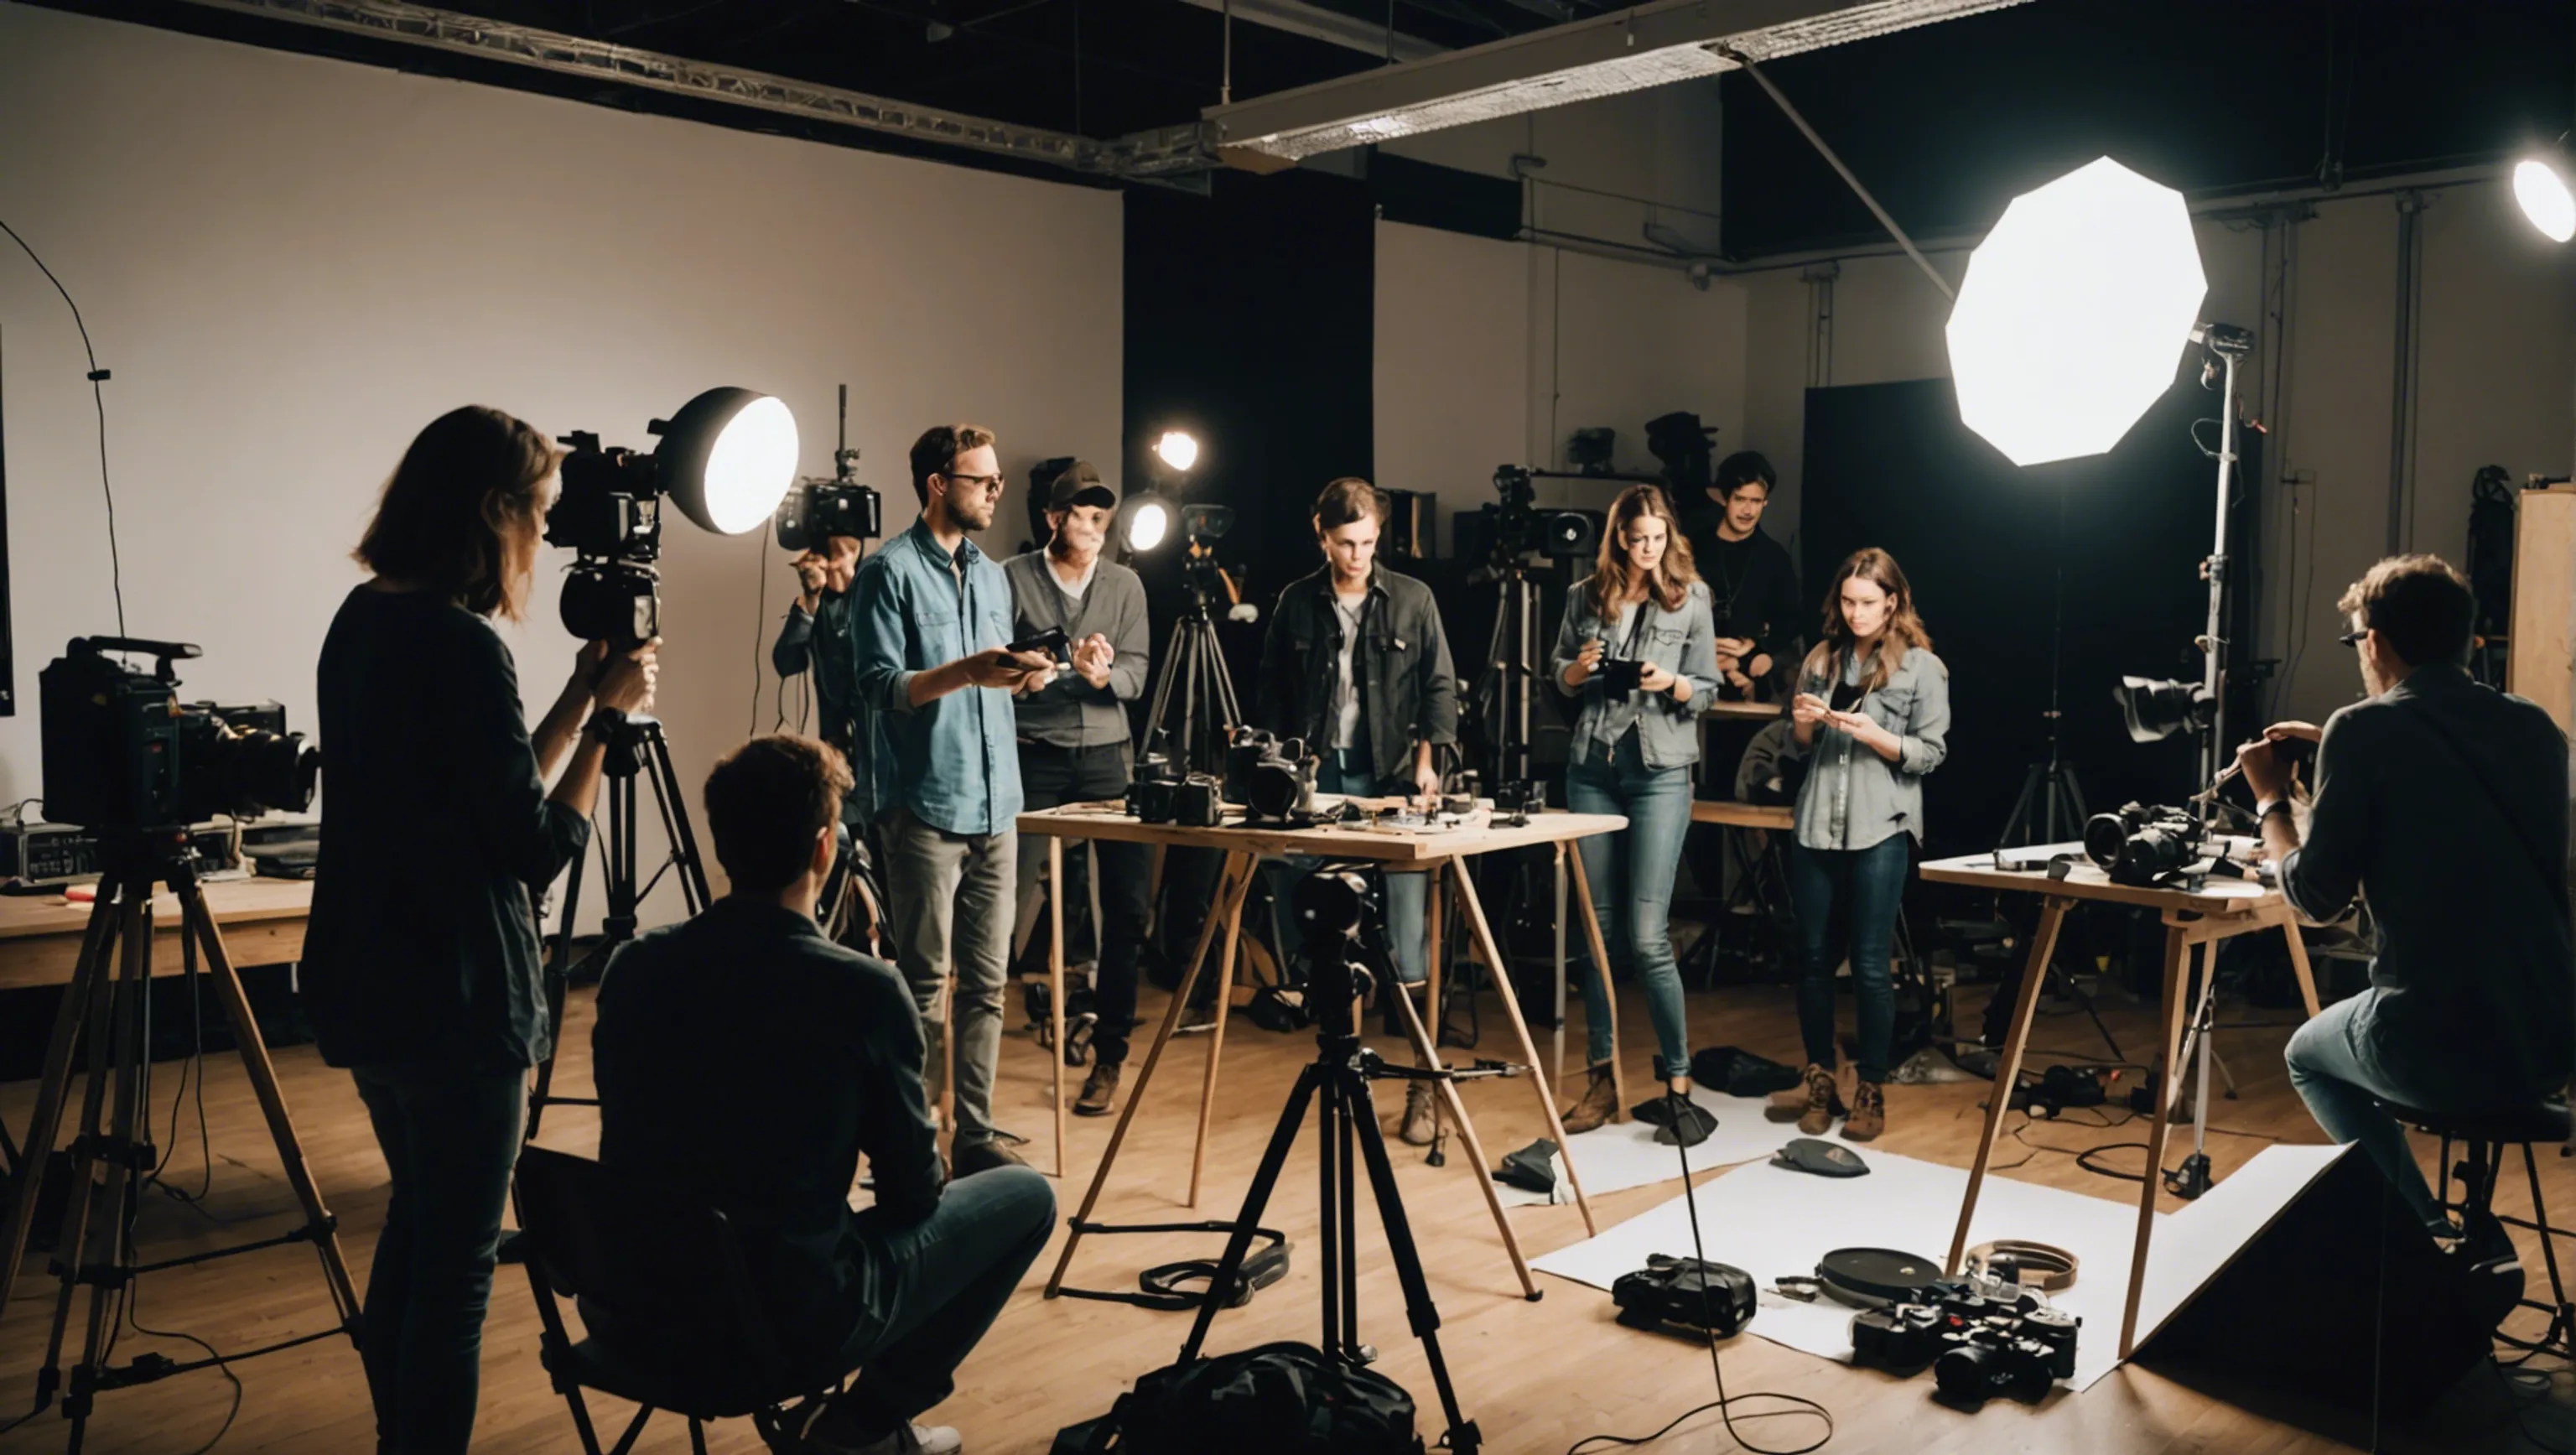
[232,901]
[1744,815]
[2086,880]
[1109,820]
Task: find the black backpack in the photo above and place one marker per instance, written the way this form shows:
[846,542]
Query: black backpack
[1278,1399]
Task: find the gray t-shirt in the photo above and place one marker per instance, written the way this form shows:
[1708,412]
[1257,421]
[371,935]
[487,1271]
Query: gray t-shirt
[1346,691]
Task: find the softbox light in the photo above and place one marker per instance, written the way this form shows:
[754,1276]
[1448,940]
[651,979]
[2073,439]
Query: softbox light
[2074,313]
[727,458]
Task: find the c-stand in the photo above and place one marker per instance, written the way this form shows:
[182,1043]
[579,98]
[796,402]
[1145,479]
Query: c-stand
[1330,903]
[637,747]
[109,1000]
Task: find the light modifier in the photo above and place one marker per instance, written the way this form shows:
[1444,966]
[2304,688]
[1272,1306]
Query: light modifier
[1147,524]
[2074,312]
[1178,449]
[2540,186]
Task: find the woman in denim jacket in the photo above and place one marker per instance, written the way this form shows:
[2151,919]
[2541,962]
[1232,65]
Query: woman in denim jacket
[1633,753]
[1872,715]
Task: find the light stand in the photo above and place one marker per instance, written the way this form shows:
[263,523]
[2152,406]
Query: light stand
[2050,809]
[637,747]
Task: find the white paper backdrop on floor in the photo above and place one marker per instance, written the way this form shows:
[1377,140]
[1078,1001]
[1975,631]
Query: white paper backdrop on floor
[1771,1221]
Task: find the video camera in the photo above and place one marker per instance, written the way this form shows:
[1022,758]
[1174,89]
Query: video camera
[2138,845]
[1517,527]
[1158,795]
[122,752]
[816,509]
[1978,1346]
[1272,779]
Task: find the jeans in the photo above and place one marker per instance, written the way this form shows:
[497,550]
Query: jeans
[950,908]
[1051,776]
[1631,874]
[2343,1079]
[450,1136]
[1408,922]
[1868,886]
[937,1285]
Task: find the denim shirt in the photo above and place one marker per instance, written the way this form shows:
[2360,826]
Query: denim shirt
[1682,642]
[1853,798]
[952,761]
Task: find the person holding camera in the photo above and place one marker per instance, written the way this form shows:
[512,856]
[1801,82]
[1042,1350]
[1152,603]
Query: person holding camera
[708,1029]
[1638,646]
[931,619]
[1073,739]
[1356,665]
[1872,716]
[421,968]
[2444,802]
[1753,585]
[816,636]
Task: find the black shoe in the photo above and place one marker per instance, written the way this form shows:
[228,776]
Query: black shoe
[982,1156]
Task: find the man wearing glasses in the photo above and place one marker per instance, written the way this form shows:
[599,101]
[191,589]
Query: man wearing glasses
[931,620]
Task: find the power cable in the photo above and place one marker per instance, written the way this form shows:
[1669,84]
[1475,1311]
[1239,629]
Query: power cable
[98,401]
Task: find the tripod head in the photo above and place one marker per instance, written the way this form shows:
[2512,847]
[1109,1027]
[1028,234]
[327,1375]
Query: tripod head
[1330,905]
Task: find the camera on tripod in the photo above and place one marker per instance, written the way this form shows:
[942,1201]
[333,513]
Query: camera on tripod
[2138,845]
[816,509]
[1519,528]
[725,460]
[1272,779]
[1978,1346]
[122,752]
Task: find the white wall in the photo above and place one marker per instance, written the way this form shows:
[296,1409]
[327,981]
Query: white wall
[1492,352]
[2498,358]
[292,263]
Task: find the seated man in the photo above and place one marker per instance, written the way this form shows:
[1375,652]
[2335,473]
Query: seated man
[745,1058]
[2445,802]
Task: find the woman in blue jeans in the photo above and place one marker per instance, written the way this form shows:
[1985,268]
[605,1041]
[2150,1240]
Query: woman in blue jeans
[420,964]
[1872,716]
[1633,753]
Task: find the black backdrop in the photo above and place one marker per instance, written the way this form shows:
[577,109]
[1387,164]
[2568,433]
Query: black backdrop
[1890,465]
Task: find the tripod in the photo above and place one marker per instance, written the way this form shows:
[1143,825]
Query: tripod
[1195,663]
[1329,903]
[637,748]
[2050,809]
[109,999]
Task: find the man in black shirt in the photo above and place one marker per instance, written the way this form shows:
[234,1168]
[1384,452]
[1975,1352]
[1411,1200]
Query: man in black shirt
[2445,803]
[745,1058]
[1751,581]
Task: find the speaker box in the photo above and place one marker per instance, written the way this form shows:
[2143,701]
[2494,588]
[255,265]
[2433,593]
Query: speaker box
[2343,1298]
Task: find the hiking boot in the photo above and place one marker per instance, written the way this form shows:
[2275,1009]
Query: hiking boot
[1099,1089]
[1813,1103]
[1868,1113]
[1421,1121]
[1600,1102]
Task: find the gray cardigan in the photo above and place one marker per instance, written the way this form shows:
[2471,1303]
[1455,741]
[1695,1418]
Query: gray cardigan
[1853,798]
[1682,642]
[1070,712]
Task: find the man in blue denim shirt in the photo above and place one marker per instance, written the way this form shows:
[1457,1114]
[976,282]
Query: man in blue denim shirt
[931,620]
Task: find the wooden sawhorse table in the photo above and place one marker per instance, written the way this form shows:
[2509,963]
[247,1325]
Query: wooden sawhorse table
[2195,919]
[1443,855]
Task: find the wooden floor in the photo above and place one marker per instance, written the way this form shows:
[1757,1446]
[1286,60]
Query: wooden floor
[1535,1377]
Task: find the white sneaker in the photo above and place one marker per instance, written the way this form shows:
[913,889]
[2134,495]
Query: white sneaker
[914,1440]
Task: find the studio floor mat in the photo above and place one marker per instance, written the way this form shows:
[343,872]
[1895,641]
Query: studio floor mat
[1771,1221]
[1625,1154]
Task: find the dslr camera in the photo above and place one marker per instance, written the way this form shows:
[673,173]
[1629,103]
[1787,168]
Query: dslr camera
[1621,676]
[2137,845]
[1978,1347]
[1158,795]
[123,753]
[1274,780]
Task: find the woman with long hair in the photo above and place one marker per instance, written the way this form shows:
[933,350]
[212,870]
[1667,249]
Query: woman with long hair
[420,964]
[1633,752]
[1872,716]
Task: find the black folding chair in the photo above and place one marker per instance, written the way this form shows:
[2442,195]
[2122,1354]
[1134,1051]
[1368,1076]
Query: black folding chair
[674,1322]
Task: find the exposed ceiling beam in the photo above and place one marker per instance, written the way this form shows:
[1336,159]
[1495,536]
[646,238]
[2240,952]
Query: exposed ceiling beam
[1150,154]
[1330,26]
[1647,45]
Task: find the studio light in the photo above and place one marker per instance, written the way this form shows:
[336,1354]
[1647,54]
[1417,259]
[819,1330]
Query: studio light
[1178,449]
[2540,185]
[1146,523]
[726,459]
[2074,312]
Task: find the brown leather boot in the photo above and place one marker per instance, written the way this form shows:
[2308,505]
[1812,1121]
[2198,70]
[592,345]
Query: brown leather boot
[1813,1103]
[1868,1113]
[1600,1103]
